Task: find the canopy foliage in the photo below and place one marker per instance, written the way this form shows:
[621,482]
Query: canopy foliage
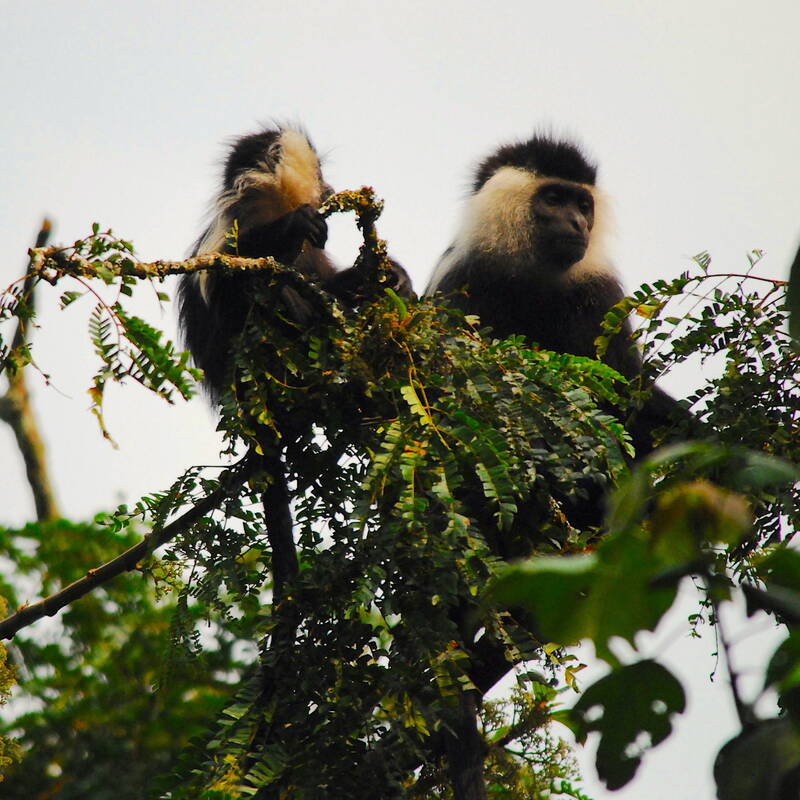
[421,456]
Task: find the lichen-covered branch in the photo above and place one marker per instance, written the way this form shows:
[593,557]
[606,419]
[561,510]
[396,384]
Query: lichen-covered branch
[52,263]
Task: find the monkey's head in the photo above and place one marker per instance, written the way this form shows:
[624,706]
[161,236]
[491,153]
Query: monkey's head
[563,218]
[535,209]
[266,175]
[279,168]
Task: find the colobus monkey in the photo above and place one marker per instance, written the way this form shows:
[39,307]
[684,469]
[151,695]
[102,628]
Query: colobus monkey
[272,188]
[530,255]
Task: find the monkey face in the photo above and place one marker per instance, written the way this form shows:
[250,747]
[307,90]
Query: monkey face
[563,217]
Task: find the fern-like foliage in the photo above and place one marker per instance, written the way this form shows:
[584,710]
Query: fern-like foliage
[421,455]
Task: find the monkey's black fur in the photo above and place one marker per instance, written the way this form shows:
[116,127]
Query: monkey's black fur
[250,151]
[563,318]
[542,155]
[516,288]
[272,187]
[209,327]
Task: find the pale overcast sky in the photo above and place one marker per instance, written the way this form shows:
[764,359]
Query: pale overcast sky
[116,112]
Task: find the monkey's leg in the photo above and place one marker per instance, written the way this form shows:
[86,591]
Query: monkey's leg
[279,524]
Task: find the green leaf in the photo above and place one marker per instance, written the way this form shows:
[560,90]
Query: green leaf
[631,709]
[780,568]
[599,596]
[623,600]
[554,591]
[783,670]
[105,274]
[411,397]
[762,762]
[761,470]
[691,514]
[629,502]
[793,298]
[398,303]
[776,600]
[69,297]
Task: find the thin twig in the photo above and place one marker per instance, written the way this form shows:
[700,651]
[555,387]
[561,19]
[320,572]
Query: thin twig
[517,730]
[773,281]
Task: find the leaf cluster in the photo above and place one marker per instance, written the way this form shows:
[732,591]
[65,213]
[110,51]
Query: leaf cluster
[421,456]
[105,694]
[667,522]
[735,327]
[406,442]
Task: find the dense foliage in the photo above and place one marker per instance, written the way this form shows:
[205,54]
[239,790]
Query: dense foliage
[420,455]
[105,694]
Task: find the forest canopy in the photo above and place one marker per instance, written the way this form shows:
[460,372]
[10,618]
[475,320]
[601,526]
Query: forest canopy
[406,511]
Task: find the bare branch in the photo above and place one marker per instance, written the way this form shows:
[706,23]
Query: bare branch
[16,410]
[743,710]
[230,482]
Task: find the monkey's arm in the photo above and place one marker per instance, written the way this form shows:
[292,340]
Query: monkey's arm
[283,239]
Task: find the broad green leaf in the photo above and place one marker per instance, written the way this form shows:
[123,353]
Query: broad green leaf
[761,470]
[784,666]
[631,709]
[781,567]
[554,591]
[763,763]
[691,514]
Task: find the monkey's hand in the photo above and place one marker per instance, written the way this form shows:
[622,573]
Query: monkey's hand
[307,224]
[283,238]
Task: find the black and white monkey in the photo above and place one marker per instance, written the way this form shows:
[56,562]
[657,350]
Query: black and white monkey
[272,188]
[531,257]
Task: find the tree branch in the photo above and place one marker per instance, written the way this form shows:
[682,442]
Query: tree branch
[16,409]
[743,709]
[465,748]
[52,263]
[279,524]
[230,482]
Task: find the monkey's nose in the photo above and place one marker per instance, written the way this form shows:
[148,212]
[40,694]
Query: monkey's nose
[579,223]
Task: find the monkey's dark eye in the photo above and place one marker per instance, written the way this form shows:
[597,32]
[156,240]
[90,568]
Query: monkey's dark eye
[585,207]
[552,197]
